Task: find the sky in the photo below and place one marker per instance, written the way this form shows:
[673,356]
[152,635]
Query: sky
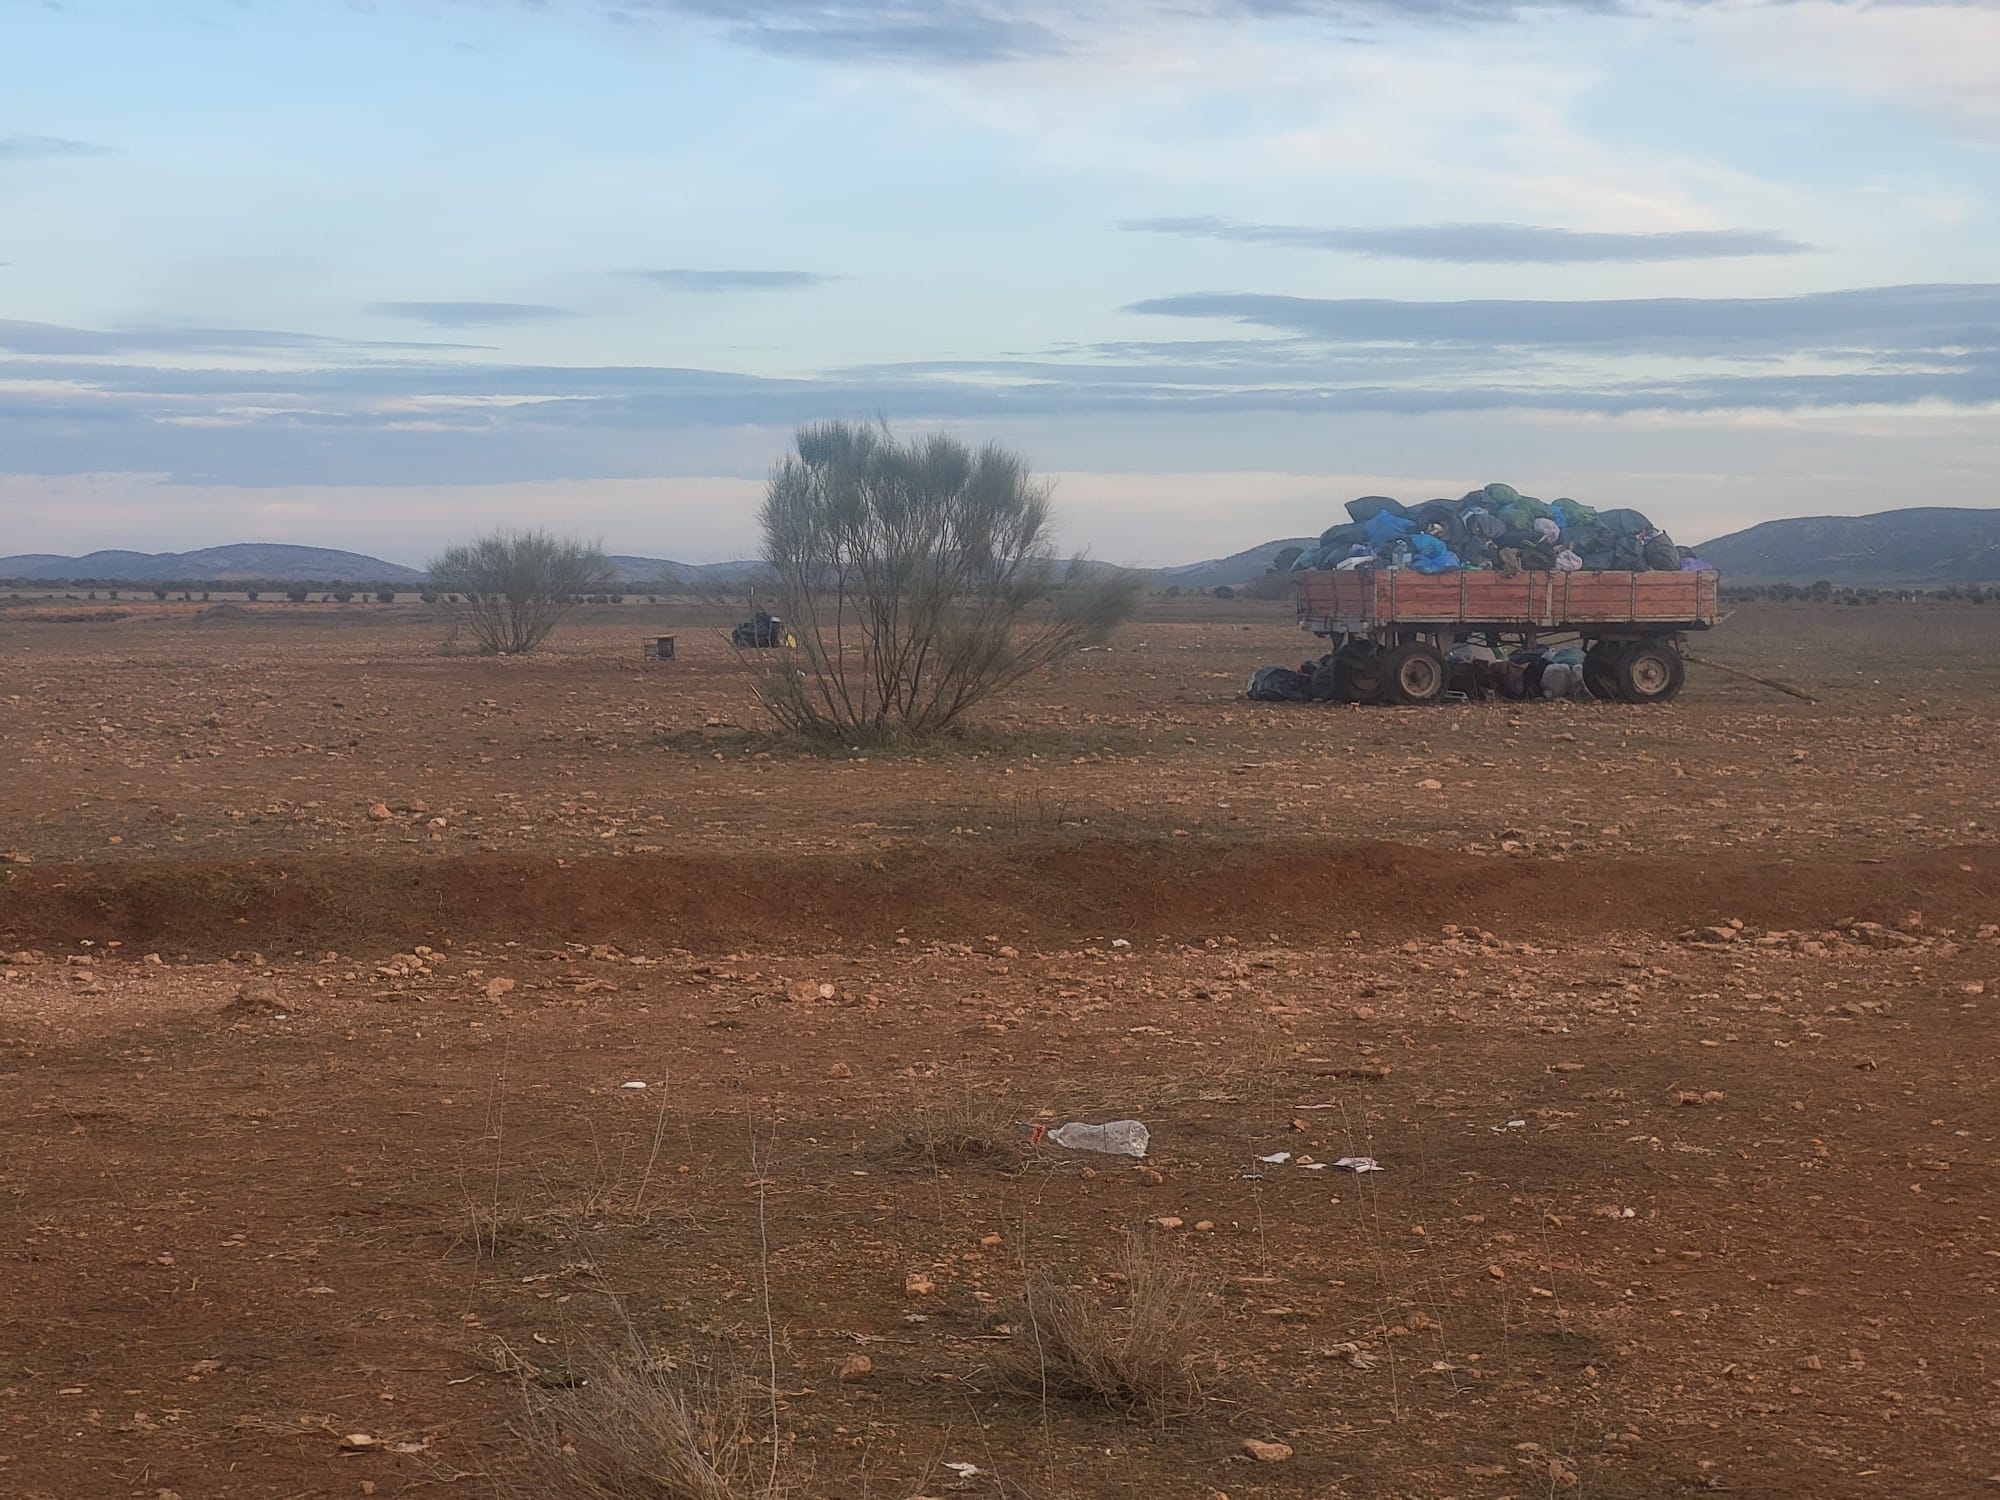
[379,274]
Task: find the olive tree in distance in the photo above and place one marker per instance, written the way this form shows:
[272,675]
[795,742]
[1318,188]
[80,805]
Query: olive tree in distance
[517,585]
[916,578]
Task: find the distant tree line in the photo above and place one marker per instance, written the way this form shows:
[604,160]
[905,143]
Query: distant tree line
[172,588]
[1823,592]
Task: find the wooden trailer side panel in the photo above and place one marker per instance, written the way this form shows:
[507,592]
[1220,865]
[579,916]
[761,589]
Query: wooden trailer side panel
[1637,598]
[1369,598]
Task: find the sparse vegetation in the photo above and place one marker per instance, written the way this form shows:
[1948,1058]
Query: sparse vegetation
[643,1426]
[519,584]
[960,1129]
[919,579]
[1134,1352]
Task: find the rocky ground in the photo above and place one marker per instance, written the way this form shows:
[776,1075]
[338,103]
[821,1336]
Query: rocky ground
[331,963]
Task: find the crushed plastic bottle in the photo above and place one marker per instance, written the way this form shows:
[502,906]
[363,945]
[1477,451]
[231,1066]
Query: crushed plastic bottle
[1113,1138]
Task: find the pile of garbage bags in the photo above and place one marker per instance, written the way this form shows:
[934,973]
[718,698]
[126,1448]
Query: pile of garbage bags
[1500,528]
[1476,674]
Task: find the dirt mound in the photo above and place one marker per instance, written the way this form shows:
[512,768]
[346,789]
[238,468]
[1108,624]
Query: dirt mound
[1305,889]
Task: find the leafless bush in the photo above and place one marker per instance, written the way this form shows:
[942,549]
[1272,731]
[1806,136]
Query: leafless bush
[918,579]
[1136,1356]
[642,1427]
[960,1129]
[518,584]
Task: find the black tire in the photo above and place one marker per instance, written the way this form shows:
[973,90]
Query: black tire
[1357,674]
[1415,675]
[1650,672]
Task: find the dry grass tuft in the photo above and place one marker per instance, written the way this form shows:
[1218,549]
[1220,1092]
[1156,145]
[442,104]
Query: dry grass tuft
[1136,1355]
[646,1428]
[960,1130]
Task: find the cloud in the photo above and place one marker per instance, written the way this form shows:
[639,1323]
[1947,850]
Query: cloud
[1944,314]
[962,33]
[323,411]
[1480,244]
[18,337]
[681,279]
[471,314]
[40,147]
[931,31]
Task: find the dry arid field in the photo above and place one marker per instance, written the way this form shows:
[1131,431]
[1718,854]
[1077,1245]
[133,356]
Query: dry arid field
[328,962]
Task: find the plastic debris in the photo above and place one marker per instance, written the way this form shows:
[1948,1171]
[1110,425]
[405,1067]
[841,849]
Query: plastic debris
[1276,1158]
[1358,1164]
[1113,1138]
[634,1084]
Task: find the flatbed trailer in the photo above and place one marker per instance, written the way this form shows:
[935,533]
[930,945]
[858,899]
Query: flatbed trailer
[1392,627]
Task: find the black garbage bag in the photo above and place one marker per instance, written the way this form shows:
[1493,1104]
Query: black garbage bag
[1446,514]
[1276,685]
[1623,522]
[1343,536]
[1660,554]
[1369,506]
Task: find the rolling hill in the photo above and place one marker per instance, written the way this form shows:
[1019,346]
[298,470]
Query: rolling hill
[634,572]
[1932,544]
[1922,545]
[1238,567]
[277,562]
[243,562]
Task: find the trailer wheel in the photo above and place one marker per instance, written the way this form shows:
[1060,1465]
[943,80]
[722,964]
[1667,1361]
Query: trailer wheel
[1650,672]
[1357,674]
[1414,674]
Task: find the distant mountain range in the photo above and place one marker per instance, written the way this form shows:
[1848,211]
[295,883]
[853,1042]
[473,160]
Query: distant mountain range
[1238,567]
[634,571]
[278,562]
[245,562]
[1924,545]
[1930,544]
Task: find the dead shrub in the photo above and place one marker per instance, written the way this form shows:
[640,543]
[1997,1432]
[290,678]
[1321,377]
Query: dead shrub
[960,1130]
[1135,1354]
[643,1427]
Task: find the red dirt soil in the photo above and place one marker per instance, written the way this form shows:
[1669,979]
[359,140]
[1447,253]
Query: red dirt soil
[1673,1029]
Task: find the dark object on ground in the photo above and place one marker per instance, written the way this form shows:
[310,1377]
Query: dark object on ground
[759,633]
[1277,685]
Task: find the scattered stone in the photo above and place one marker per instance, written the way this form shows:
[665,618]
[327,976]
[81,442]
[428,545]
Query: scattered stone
[498,986]
[1169,1222]
[856,1368]
[256,997]
[917,1284]
[378,812]
[1267,1453]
